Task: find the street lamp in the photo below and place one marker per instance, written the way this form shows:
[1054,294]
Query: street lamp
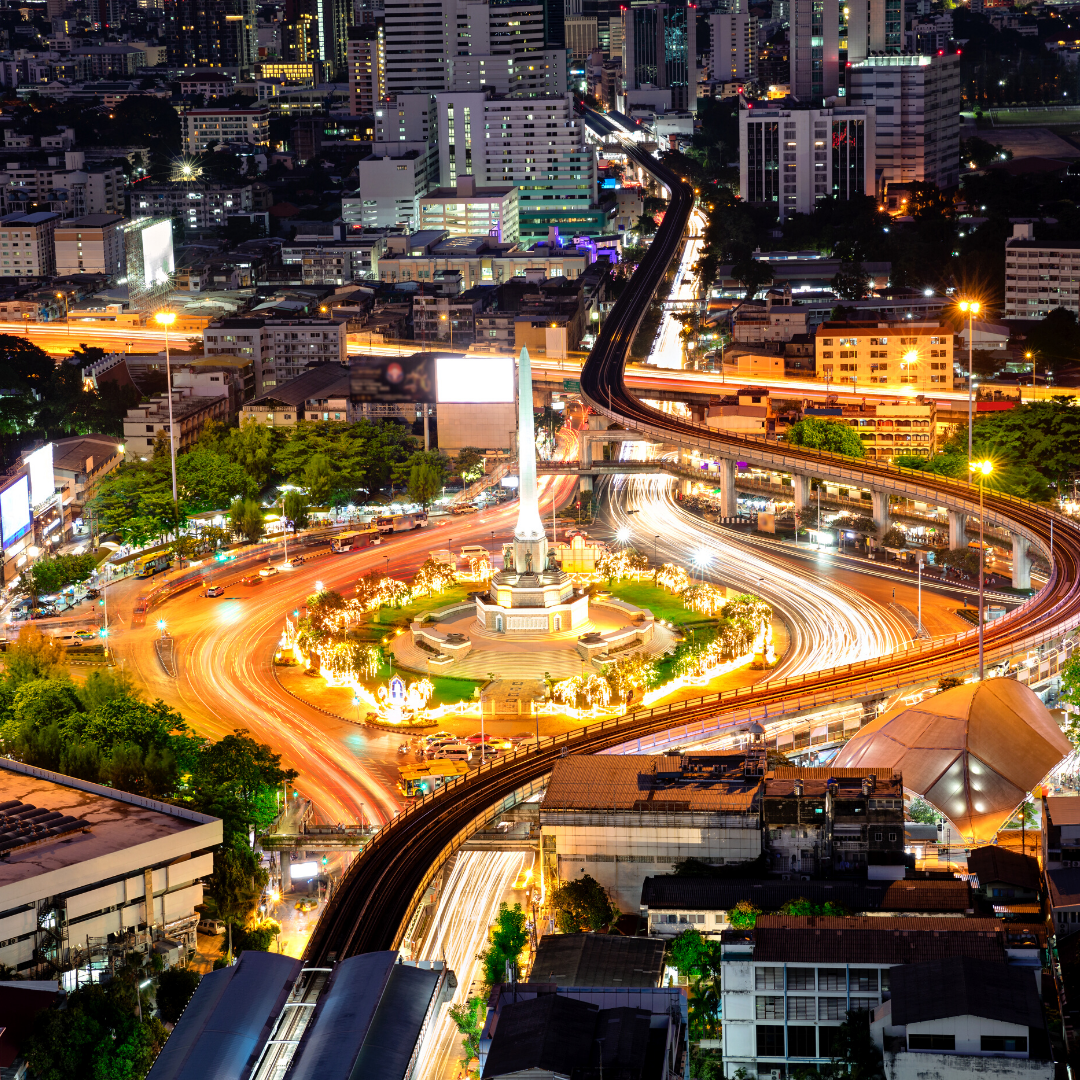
[446,319]
[67,321]
[166,319]
[981,469]
[970,308]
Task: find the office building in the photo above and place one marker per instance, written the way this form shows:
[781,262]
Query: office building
[366,59]
[660,51]
[282,349]
[582,37]
[211,34]
[417,45]
[792,157]
[874,28]
[350,254]
[621,819]
[466,210]
[814,50]
[205,126]
[91,245]
[538,146]
[734,44]
[407,119]
[26,245]
[1040,275]
[65,185]
[789,983]
[904,355]
[916,101]
[83,863]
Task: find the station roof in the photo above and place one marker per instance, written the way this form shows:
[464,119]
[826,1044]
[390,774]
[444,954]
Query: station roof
[596,960]
[228,1020]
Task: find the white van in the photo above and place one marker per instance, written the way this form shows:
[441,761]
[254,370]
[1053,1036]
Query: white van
[474,551]
[211,926]
[455,752]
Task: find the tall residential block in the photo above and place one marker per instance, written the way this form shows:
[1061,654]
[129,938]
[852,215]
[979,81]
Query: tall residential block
[917,102]
[734,44]
[28,249]
[366,60]
[326,23]
[791,158]
[1040,275]
[91,245]
[416,46]
[874,27]
[660,51]
[211,33]
[537,145]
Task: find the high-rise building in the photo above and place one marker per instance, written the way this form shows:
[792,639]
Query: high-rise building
[211,33]
[324,24]
[366,58]
[734,44]
[873,27]
[660,50]
[814,49]
[792,157]
[581,36]
[416,46]
[917,101]
[538,145]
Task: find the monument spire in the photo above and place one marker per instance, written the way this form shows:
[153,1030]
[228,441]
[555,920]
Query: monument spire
[529,526]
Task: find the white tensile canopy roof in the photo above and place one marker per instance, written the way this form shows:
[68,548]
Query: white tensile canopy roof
[974,752]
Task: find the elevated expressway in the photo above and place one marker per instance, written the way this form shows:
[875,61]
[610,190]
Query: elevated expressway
[372,908]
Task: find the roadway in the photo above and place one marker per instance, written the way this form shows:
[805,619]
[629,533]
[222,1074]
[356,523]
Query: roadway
[369,911]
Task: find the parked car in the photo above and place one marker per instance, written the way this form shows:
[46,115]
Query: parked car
[216,590]
[465,508]
[211,926]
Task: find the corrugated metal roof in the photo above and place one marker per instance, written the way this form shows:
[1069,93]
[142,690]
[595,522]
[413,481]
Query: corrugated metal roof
[1064,809]
[598,960]
[228,1020]
[993,863]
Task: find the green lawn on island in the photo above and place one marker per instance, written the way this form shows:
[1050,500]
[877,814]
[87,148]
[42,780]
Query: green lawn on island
[449,691]
[391,616]
[660,602]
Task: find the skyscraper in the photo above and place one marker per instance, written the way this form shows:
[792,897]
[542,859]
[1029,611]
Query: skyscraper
[324,23]
[814,49]
[874,27]
[416,45]
[660,50]
[366,59]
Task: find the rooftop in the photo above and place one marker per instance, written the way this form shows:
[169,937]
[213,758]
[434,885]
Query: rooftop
[993,863]
[598,960]
[71,454]
[962,986]
[647,782]
[113,820]
[324,379]
[873,939]
[1064,886]
[1064,809]
[90,221]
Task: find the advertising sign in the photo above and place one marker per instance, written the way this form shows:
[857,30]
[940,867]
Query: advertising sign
[393,379]
[15,511]
[475,380]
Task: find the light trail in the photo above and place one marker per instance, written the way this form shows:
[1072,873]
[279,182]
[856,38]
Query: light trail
[459,932]
[667,351]
[829,624]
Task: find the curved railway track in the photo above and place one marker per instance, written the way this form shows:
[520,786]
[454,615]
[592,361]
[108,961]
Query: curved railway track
[371,908]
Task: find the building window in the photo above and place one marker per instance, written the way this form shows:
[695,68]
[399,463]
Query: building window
[1003,1044]
[801,1041]
[770,1040]
[829,1040]
[931,1042]
[769,1008]
[863,979]
[769,978]
[801,1008]
[832,1008]
[799,978]
[832,979]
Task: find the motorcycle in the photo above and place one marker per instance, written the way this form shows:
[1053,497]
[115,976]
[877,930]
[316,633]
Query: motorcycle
[403,748]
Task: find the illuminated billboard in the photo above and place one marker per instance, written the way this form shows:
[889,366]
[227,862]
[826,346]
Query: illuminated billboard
[402,380]
[15,511]
[157,252]
[474,380]
[42,481]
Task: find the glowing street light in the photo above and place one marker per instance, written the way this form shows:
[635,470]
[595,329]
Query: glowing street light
[970,308]
[623,535]
[318,586]
[166,319]
[981,470]
[162,626]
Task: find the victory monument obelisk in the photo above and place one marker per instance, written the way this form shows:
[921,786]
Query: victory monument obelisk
[530,595]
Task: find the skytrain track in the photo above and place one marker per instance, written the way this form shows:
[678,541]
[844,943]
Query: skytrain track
[370,910]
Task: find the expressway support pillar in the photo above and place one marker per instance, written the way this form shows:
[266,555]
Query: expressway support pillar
[881,512]
[800,486]
[957,529]
[685,485]
[1021,562]
[586,451]
[729,502]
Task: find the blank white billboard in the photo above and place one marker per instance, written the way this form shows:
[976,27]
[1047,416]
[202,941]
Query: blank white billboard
[474,380]
[42,481]
[157,245]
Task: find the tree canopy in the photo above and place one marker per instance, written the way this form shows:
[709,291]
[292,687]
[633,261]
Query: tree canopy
[832,435]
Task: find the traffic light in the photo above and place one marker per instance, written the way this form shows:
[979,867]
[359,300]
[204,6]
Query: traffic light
[325,860]
[101,603]
[424,788]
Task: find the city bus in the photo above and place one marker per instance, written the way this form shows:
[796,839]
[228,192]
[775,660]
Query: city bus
[392,523]
[354,541]
[428,776]
[149,565]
